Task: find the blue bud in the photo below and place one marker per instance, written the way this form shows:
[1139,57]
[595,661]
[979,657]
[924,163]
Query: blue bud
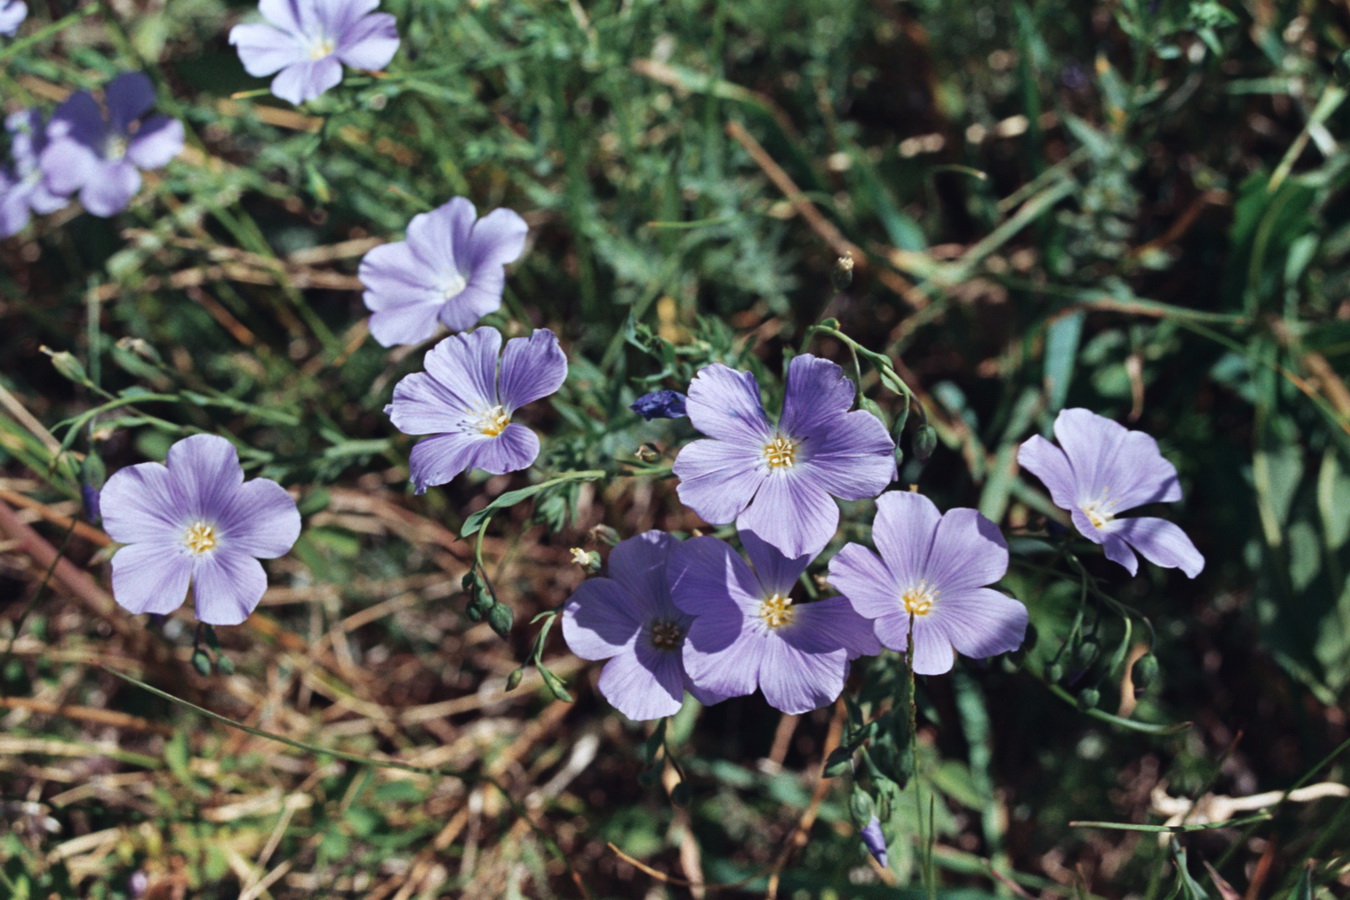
[874,840]
[660,405]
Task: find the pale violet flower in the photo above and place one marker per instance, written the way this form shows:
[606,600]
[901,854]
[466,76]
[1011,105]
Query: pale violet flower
[463,402]
[779,480]
[1103,470]
[448,270]
[23,190]
[931,576]
[308,41]
[194,520]
[628,618]
[748,632]
[100,154]
[12,14]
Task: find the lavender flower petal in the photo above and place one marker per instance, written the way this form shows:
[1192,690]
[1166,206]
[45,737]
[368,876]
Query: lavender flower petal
[110,187]
[532,368]
[438,459]
[410,323]
[1160,542]
[129,96]
[142,503]
[875,841]
[1048,463]
[156,142]
[514,449]
[307,79]
[497,240]
[205,472]
[264,50]
[425,405]
[724,404]
[12,14]
[14,207]
[853,458]
[78,118]
[369,43]
[466,366]
[640,564]
[67,166]
[866,581]
[829,624]
[718,479]
[933,650]
[260,519]
[644,684]
[981,622]
[816,395]
[903,533]
[288,15]
[599,620]
[440,238]
[150,577]
[228,587]
[797,682]
[775,572]
[791,512]
[1154,479]
[968,551]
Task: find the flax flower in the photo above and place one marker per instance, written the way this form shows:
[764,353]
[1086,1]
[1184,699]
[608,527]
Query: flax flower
[748,633]
[194,520]
[463,402]
[777,481]
[932,570]
[23,190]
[1101,469]
[629,619]
[450,269]
[308,41]
[12,14]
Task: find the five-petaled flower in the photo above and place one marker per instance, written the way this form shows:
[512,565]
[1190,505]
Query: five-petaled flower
[931,576]
[747,632]
[629,619]
[194,520]
[779,480]
[450,269]
[466,407]
[12,14]
[23,190]
[99,155]
[309,40]
[1103,470]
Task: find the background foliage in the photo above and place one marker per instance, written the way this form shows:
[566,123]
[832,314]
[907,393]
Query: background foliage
[1134,207]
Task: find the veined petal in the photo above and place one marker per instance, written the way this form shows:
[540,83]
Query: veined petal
[206,473]
[532,368]
[829,625]
[142,503]
[409,323]
[261,520]
[440,238]
[390,271]
[853,457]
[151,577]
[792,513]
[283,14]
[439,458]
[718,479]
[1117,550]
[816,396]
[644,683]
[307,79]
[708,578]
[1048,463]
[796,681]
[968,551]
[639,565]
[599,619]
[129,96]
[157,141]
[497,239]
[776,572]
[336,16]
[67,165]
[1160,542]
[722,655]
[933,651]
[865,582]
[1090,442]
[1145,476]
[424,405]
[264,50]
[466,364]
[981,622]
[228,586]
[482,296]
[903,533]
[369,43]
[514,449]
[725,404]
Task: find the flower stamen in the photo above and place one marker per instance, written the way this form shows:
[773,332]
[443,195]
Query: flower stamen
[200,537]
[1100,511]
[777,611]
[780,453]
[452,285]
[666,635]
[321,48]
[919,599]
[492,421]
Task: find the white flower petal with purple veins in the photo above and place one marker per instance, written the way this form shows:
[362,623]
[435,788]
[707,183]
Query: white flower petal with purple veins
[194,519]
[930,579]
[12,14]
[449,269]
[630,620]
[747,633]
[1104,470]
[780,482]
[466,407]
[307,42]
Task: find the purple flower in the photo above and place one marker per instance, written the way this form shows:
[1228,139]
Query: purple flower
[23,191]
[1103,470]
[466,406]
[195,520]
[309,40]
[449,269]
[99,155]
[932,569]
[778,480]
[747,632]
[660,405]
[12,14]
[874,840]
[630,620]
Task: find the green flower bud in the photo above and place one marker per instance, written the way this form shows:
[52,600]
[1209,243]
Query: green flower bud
[67,365]
[513,680]
[841,276]
[860,806]
[1088,698]
[501,617]
[1144,673]
[555,685]
[604,534]
[201,662]
[925,442]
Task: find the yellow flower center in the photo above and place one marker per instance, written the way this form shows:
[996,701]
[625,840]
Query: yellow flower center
[780,453]
[919,599]
[321,48]
[776,611]
[666,635]
[1100,511]
[200,537]
[492,421]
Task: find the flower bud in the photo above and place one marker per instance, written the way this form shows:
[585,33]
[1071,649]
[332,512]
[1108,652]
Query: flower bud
[201,662]
[925,442]
[513,680]
[587,559]
[554,685]
[67,365]
[861,807]
[875,841]
[603,534]
[647,453]
[1088,698]
[841,276]
[501,617]
[1144,673]
[660,405]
